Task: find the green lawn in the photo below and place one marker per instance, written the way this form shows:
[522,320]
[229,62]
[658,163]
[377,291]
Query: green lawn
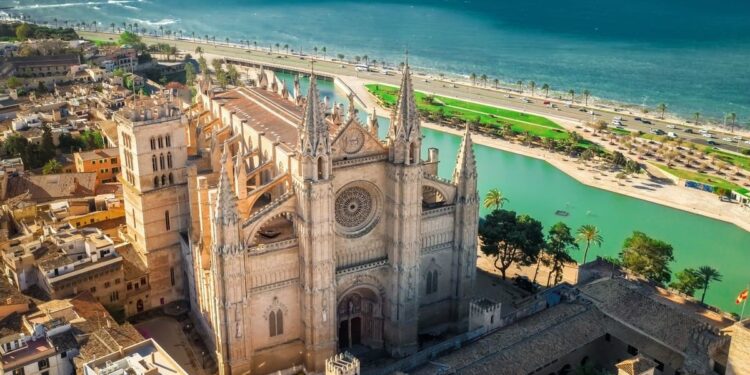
[703,178]
[468,112]
[740,161]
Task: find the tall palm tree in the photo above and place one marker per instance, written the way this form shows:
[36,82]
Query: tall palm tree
[572,95]
[494,198]
[495,82]
[520,85]
[662,107]
[707,275]
[324,50]
[473,77]
[484,79]
[113,27]
[277,47]
[546,88]
[697,117]
[586,94]
[590,234]
[532,86]
[732,118]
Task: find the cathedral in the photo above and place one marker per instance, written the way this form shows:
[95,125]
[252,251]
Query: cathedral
[308,235]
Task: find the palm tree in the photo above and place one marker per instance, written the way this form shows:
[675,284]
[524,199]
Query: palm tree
[572,95]
[494,198]
[733,118]
[55,19]
[277,47]
[161,28]
[590,234]
[586,94]
[662,107]
[473,77]
[697,117]
[520,85]
[495,82]
[707,275]
[532,86]
[324,50]
[364,57]
[484,79]
[545,87]
[113,27]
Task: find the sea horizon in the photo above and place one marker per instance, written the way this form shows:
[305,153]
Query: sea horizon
[696,63]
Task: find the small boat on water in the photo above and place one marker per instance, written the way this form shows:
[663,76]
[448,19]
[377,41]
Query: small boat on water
[562,213]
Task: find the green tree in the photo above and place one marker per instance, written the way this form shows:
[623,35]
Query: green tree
[559,243]
[23,31]
[572,94]
[51,167]
[618,159]
[688,281]
[47,146]
[586,95]
[662,107]
[647,256]
[473,78]
[510,239]
[546,88]
[13,83]
[189,73]
[706,275]
[697,116]
[203,65]
[532,86]
[232,74]
[494,199]
[590,235]
[127,37]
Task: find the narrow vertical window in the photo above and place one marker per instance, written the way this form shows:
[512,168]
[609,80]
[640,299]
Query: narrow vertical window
[161,142]
[169,160]
[167,224]
[153,143]
[279,322]
[272,324]
[171,269]
[153,163]
[171,178]
[161,161]
[168,141]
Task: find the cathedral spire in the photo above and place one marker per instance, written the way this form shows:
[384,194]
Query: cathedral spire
[314,128]
[226,201]
[466,166]
[405,119]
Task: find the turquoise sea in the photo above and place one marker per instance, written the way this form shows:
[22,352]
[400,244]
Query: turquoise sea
[693,55]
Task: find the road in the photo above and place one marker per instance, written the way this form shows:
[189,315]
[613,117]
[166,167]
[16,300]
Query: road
[505,98]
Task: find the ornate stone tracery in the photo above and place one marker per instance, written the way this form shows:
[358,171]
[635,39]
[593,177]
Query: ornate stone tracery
[356,209]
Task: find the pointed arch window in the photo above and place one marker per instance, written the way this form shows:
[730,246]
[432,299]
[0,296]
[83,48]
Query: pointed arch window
[161,142]
[168,141]
[156,181]
[161,161]
[163,179]
[168,226]
[153,143]
[432,282]
[153,163]
[169,160]
[276,323]
[171,178]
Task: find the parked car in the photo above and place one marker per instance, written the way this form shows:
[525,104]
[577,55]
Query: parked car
[690,131]
[713,143]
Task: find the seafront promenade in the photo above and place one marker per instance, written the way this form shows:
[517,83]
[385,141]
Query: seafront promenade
[640,187]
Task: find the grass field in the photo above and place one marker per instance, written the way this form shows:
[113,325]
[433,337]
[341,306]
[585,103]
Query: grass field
[704,179]
[469,112]
[740,161]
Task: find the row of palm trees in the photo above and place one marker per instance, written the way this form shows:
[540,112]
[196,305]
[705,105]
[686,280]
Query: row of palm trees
[688,279]
[532,85]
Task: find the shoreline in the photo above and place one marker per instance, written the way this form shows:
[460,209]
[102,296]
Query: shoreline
[683,199]
[601,104]
[675,196]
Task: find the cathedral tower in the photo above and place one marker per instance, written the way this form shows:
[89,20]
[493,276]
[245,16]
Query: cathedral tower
[465,236]
[314,188]
[404,218]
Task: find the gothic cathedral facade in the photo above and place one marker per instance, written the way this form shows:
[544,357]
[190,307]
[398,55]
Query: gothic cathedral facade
[310,235]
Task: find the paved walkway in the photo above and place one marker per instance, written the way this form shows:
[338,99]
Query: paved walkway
[168,333]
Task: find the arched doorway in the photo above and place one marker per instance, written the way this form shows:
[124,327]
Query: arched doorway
[360,319]
[139,305]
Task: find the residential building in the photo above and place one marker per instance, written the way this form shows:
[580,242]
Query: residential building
[143,358]
[104,162]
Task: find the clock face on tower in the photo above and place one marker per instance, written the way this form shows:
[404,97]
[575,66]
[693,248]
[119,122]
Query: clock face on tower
[353,140]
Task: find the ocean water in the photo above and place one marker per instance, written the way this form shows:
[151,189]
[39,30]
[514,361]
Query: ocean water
[692,55]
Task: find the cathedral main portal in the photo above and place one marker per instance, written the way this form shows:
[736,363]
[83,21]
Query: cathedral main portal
[360,319]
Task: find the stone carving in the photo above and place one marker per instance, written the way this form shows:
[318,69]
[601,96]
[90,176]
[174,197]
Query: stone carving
[354,208]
